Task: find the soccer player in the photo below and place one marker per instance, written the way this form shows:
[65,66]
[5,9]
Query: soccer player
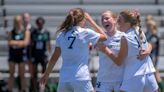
[109,77]
[40,44]
[138,74]
[153,38]
[18,41]
[72,44]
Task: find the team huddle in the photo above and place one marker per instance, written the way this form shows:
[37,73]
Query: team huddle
[124,64]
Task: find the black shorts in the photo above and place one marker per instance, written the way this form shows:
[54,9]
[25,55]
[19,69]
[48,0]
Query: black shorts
[29,53]
[17,59]
[17,55]
[42,60]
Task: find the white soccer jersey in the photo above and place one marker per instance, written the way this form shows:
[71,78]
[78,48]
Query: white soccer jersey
[108,70]
[134,66]
[75,53]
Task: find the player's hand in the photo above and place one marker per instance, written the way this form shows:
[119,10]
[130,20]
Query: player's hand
[88,16]
[101,47]
[143,53]
[43,80]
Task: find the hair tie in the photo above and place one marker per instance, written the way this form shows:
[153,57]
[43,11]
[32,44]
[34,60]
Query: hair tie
[71,12]
[135,13]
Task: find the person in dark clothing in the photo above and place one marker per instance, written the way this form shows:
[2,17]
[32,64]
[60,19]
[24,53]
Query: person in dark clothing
[27,25]
[18,40]
[40,45]
[153,39]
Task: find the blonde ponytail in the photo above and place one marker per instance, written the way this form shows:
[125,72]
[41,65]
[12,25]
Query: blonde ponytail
[140,31]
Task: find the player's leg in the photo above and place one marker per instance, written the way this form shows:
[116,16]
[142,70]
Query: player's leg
[31,71]
[11,76]
[34,72]
[43,64]
[159,80]
[157,74]
[21,69]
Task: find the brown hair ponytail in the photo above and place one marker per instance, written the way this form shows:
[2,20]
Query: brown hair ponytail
[74,17]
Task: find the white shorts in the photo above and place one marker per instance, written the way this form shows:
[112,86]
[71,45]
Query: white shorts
[108,86]
[142,83]
[76,86]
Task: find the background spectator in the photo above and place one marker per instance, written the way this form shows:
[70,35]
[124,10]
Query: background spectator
[40,38]
[153,38]
[18,40]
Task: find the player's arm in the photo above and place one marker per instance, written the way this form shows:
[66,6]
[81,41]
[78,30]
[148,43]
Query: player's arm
[49,46]
[145,52]
[49,43]
[53,60]
[97,28]
[118,59]
[22,43]
[50,65]
[150,47]
[9,39]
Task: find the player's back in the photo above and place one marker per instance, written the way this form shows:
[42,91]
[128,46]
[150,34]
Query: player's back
[75,52]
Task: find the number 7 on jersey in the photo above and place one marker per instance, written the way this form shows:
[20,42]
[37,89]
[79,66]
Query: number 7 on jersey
[72,41]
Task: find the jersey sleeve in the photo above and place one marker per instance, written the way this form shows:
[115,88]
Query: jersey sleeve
[153,39]
[57,44]
[92,36]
